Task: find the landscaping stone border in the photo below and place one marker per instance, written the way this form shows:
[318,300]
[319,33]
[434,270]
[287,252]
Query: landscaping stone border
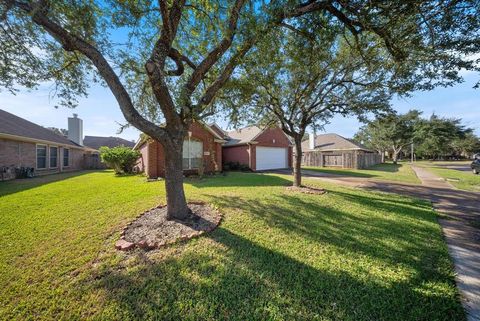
[123,245]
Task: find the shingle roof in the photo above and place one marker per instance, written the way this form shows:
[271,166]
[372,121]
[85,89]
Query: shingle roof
[328,142]
[96,142]
[17,126]
[243,136]
[217,129]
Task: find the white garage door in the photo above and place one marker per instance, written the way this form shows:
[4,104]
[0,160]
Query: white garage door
[271,158]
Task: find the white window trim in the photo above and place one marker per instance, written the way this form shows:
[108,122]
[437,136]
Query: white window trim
[189,140]
[63,157]
[49,159]
[36,157]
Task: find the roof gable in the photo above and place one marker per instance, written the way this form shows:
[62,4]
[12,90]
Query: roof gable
[243,135]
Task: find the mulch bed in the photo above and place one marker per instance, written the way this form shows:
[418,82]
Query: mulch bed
[151,229]
[306,190]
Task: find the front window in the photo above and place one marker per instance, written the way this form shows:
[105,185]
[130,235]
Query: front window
[66,157]
[192,154]
[53,157]
[41,156]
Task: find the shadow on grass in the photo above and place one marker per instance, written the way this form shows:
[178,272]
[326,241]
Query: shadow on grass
[236,278]
[337,172]
[251,282]
[238,179]
[23,184]
[381,237]
[387,167]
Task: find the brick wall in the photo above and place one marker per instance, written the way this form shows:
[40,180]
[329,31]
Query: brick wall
[239,154]
[274,137]
[246,154]
[23,154]
[153,155]
[17,154]
[142,162]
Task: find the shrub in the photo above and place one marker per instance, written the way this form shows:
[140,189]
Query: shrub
[235,166]
[121,159]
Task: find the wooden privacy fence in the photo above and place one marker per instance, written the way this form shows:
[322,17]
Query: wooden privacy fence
[342,159]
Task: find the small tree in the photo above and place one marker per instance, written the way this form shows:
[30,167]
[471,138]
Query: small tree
[122,159]
[372,137]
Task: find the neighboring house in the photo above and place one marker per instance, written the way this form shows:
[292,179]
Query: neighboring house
[202,152]
[332,150]
[96,142]
[258,148]
[25,144]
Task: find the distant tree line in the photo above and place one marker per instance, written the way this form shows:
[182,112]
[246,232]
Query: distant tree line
[433,138]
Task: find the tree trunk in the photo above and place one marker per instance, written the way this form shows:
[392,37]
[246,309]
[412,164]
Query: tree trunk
[176,203]
[395,157]
[382,153]
[297,163]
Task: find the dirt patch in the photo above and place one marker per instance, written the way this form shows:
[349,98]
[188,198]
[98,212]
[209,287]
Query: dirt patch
[306,190]
[152,230]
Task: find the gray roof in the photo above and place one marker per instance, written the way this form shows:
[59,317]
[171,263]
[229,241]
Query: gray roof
[243,135]
[329,142]
[16,126]
[96,142]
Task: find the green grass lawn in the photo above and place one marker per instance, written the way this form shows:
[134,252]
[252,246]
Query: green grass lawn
[401,172]
[345,255]
[465,180]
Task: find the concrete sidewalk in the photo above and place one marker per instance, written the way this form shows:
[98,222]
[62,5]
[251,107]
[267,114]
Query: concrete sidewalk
[461,229]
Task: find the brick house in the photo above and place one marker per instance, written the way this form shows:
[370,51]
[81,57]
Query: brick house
[258,148]
[202,150]
[333,150]
[28,145]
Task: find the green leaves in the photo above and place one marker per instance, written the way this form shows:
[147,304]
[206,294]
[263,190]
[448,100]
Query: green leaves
[121,159]
[433,137]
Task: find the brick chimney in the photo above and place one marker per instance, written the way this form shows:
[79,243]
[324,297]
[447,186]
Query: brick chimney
[75,129]
[311,140]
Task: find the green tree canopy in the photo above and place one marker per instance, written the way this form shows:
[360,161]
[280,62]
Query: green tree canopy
[392,132]
[466,146]
[436,136]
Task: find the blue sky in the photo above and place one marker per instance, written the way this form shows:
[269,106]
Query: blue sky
[101,114]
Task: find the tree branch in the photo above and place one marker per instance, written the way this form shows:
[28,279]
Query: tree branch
[224,75]
[72,42]
[214,55]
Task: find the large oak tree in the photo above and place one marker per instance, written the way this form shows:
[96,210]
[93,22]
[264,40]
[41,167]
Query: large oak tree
[165,61]
[309,77]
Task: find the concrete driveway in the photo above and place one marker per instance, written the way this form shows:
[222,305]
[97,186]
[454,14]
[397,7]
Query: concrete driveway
[460,223]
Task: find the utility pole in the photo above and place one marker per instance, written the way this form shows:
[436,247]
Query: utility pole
[411,154]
